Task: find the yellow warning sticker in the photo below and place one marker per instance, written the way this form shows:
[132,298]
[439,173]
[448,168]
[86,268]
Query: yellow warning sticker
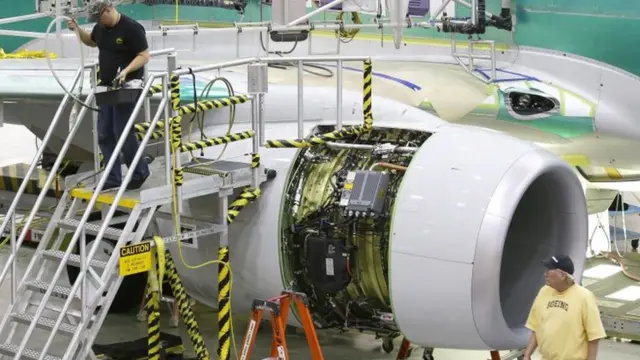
[135,258]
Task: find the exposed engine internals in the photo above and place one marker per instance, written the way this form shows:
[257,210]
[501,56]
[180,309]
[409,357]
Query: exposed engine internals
[335,227]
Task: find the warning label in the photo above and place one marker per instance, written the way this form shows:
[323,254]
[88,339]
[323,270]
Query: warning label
[135,258]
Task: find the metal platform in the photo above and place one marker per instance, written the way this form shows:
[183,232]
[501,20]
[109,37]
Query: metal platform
[220,175]
[618,295]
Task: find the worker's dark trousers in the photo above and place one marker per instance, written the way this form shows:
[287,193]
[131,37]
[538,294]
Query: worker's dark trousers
[111,123]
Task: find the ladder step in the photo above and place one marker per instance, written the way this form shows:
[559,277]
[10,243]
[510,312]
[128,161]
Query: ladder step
[91,229]
[104,198]
[42,286]
[53,307]
[12,349]
[73,258]
[43,323]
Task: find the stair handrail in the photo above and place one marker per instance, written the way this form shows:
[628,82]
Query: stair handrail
[36,207]
[107,273]
[39,152]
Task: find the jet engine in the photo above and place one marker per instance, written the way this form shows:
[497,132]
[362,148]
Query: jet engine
[437,236]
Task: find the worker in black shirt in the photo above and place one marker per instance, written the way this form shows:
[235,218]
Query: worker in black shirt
[124,52]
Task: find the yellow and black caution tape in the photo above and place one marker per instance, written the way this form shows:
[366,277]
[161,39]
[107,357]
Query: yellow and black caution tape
[200,106]
[294,143]
[12,176]
[154,289]
[142,128]
[318,139]
[247,196]
[156,135]
[174,91]
[207,105]
[155,89]
[255,160]
[224,305]
[218,140]
[367,90]
[176,142]
[185,310]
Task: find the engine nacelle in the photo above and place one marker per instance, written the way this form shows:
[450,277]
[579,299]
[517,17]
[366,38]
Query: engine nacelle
[434,232]
[476,213]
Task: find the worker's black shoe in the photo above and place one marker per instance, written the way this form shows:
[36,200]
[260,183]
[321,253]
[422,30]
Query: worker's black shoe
[107,187]
[136,183]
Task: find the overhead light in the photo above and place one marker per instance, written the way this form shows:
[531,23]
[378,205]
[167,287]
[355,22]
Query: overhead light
[630,293]
[602,271]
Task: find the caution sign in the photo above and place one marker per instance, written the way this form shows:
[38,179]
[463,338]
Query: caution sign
[135,258]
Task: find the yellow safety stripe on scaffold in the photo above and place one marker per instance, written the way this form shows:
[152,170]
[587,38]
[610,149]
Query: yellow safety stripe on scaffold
[155,89]
[224,305]
[144,126]
[293,143]
[174,91]
[12,176]
[156,135]
[218,140]
[154,292]
[105,198]
[367,90]
[185,310]
[176,142]
[255,160]
[247,196]
[153,322]
[207,105]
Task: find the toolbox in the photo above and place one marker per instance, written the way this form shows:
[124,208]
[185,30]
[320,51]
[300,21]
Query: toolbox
[113,96]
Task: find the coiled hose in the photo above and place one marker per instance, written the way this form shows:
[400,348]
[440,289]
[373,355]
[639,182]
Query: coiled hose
[78,102]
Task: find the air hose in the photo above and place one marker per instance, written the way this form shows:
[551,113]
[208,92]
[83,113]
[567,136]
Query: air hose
[78,102]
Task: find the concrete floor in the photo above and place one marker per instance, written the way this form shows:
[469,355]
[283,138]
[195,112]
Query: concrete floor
[122,328]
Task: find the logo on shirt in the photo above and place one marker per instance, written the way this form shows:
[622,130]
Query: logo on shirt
[119,41]
[559,304]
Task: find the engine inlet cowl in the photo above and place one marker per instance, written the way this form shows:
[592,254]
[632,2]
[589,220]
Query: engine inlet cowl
[475,214]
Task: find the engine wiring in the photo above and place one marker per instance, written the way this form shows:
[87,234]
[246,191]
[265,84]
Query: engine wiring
[358,295]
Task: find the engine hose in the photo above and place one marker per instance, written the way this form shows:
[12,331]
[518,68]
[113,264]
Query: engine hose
[347,36]
[79,102]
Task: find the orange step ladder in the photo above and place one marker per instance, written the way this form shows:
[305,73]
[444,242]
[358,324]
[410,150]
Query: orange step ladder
[278,307]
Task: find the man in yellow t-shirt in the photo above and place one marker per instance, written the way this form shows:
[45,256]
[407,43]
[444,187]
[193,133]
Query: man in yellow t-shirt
[564,320]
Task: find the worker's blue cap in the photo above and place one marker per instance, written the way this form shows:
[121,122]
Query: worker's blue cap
[559,262]
[95,9]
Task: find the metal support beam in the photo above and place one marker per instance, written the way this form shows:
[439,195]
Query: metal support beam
[20,18]
[315,12]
